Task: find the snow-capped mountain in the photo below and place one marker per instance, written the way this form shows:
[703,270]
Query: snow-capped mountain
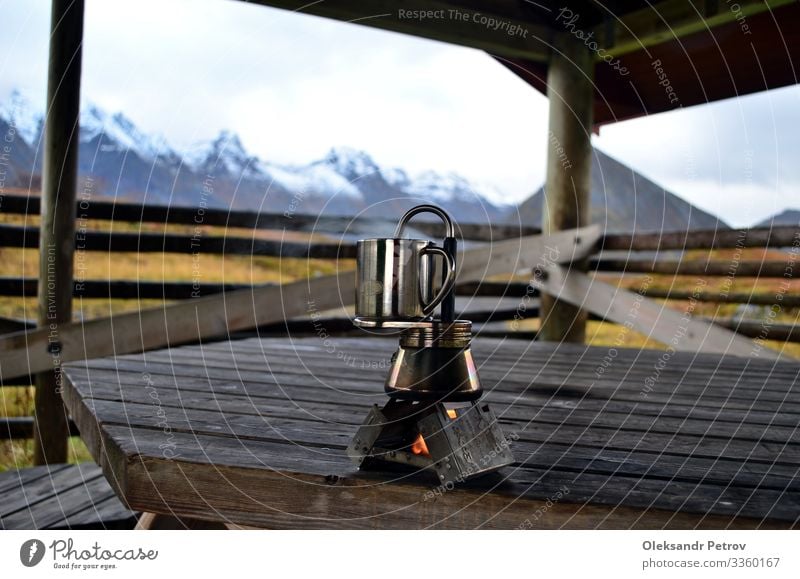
[120,134]
[126,163]
[26,119]
[444,188]
[118,160]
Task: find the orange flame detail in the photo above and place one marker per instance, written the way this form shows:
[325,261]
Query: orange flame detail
[452,413]
[419,447]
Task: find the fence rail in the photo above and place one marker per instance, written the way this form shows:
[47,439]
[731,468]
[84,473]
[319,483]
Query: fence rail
[170,215]
[670,263]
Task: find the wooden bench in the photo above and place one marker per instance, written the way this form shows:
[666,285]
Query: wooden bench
[61,496]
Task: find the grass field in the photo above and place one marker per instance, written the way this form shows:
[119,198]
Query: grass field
[18,401]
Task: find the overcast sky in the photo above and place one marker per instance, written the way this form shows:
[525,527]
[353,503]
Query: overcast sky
[293,85]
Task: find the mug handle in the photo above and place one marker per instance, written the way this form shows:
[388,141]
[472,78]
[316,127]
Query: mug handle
[427,309]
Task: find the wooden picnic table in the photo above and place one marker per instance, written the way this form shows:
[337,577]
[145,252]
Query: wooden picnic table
[253,433]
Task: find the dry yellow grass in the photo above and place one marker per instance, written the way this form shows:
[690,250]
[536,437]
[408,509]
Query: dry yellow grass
[134,266]
[17,401]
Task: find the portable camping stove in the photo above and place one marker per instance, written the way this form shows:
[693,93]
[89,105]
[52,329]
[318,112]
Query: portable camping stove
[434,417]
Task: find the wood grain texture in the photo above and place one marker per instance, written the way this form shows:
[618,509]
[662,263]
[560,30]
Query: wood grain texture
[60,496]
[253,432]
[677,330]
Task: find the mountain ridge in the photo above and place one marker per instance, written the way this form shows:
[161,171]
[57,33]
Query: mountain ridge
[786,217]
[625,201]
[128,164]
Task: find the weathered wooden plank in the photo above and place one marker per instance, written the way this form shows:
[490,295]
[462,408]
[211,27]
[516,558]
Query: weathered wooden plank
[357,382]
[743,268]
[527,253]
[507,374]
[23,353]
[780,236]
[283,425]
[510,289]
[323,405]
[654,320]
[331,438]
[529,407]
[108,513]
[136,289]
[344,499]
[316,405]
[121,289]
[504,387]
[545,350]
[722,297]
[614,366]
[143,242]
[229,380]
[8,325]
[762,329]
[12,480]
[232,218]
[599,363]
[520,289]
[632,465]
[56,511]
[45,488]
[21,427]
[255,399]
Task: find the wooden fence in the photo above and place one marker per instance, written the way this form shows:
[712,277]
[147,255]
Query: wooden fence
[611,254]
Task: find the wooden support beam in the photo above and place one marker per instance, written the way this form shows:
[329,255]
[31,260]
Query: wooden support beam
[785,268]
[527,253]
[517,289]
[512,35]
[219,315]
[123,289]
[569,163]
[679,331]
[22,428]
[723,297]
[116,241]
[763,329]
[59,184]
[779,236]
[10,325]
[672,19]
[188,321]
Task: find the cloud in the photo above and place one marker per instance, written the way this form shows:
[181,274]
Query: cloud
[294,85]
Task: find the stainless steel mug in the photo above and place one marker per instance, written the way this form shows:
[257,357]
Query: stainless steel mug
[395,276]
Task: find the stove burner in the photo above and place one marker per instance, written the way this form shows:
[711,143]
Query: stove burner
[433,419]
[457,443]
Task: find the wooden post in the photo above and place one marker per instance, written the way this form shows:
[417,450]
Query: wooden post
[57,239]
[569,161]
